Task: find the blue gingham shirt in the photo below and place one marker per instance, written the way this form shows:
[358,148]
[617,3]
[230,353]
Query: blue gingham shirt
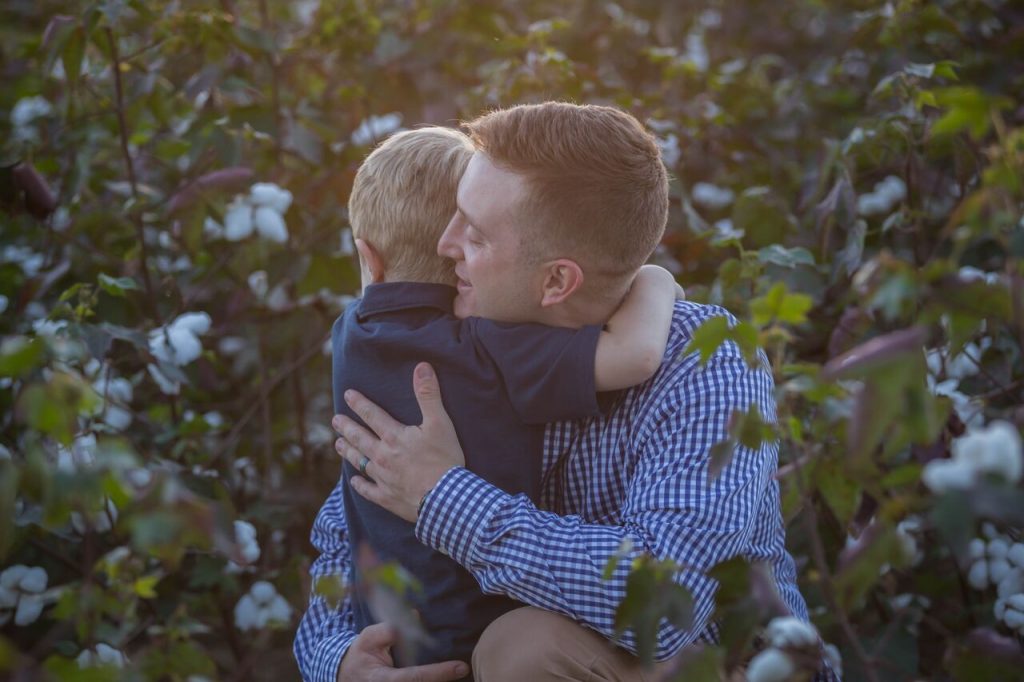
[637,472]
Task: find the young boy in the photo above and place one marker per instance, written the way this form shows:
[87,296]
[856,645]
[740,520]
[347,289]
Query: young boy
[500,382]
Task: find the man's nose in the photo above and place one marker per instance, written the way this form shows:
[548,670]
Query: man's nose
[447,246]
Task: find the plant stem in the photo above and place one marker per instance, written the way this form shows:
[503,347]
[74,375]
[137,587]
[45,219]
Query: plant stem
[122,125]
[827,588]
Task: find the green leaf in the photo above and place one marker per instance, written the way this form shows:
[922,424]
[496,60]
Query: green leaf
[763,217]
[145,586]
[20,355]
[72,54]
[788,258]
[117,286]
[708,337]
[778,305]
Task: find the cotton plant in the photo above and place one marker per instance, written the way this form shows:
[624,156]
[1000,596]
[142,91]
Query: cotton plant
[993,560]
[374,128]
[261,607]
[261,211]
[100,520]
[22,594]
[247,545]
[114,392]
[712,197]
[994,451]
[30,262]
[80,455]
[101,655]
[177,344]
[24,114]
[790,642]
[883,198]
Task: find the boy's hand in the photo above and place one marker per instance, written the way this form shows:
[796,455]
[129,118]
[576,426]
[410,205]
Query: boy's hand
[400,464]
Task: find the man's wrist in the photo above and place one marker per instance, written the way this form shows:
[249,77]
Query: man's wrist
[456,511]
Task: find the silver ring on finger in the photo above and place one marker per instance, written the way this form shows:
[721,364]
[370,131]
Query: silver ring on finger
[362,464]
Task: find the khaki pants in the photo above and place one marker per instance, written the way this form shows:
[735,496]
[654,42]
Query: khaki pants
[533,645]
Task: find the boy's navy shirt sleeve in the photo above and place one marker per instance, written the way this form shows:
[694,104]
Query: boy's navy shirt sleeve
[548,372]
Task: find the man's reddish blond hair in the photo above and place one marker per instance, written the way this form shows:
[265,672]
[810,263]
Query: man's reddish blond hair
[598,188]
[403,196]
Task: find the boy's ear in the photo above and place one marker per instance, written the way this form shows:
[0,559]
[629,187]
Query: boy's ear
[562,278]
[370,261]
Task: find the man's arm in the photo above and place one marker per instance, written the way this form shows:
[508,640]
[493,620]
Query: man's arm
[556,562]
[632,345]
[325,633]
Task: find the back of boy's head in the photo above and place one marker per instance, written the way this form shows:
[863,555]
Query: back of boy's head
[403,197]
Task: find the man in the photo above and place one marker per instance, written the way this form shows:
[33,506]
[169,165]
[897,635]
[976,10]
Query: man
[558,208]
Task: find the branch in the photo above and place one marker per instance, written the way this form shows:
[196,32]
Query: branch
[122,125]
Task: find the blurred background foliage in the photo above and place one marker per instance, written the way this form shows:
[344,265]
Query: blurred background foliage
[848,179]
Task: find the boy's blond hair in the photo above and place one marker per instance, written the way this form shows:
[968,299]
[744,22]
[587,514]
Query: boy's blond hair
[403,197]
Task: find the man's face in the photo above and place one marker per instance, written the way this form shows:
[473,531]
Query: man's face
[483,239]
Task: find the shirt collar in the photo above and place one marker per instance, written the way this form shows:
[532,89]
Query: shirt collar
[387,297]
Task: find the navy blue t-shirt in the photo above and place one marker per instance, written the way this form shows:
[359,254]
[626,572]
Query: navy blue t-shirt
[500,384]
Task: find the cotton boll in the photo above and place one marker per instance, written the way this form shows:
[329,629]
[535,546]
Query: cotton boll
[771,665]
[997,549]
[238,220]
[711,196]
[270,195]
[258,283]
[376,127]
[791,631]
[260,607]
[167,386]
[992,450]
[941,475]
[834,658]
[197,323]
[262,591]
[213,229]
[29,609]
[1015,555]
[998,569]
[109,655]
[27,109]
[1011,612]
[1011,584]
[103,654]
[270,225]
[977,576]
[33,580]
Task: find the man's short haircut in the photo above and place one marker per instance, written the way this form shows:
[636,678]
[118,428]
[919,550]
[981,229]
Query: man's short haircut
[403,196]
[598,187]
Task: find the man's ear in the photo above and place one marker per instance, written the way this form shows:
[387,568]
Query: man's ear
[370,261]
[562,278]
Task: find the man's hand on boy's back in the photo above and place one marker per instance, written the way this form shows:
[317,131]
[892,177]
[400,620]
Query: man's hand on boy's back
[383,454]
[368,660]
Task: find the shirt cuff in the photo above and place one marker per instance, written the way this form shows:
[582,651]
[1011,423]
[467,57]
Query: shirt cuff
[328,654]
[457,508]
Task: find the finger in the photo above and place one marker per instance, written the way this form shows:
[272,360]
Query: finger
[434,672]
[352,455]
[356,437]
[680,293]
[367,489]
[374,417]
[377,636]
[428,394]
